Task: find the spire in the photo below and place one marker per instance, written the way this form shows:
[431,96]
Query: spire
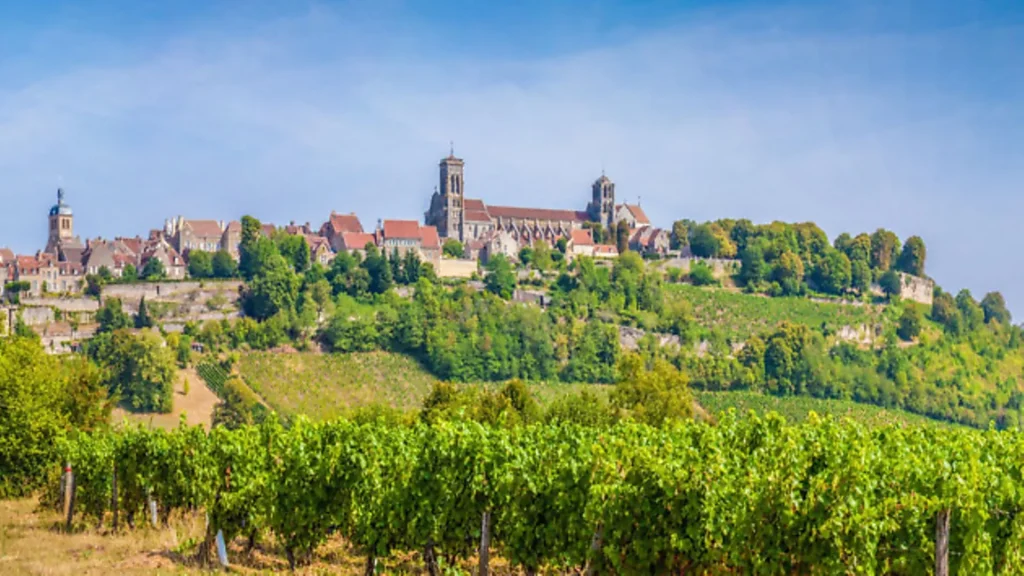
[451,149]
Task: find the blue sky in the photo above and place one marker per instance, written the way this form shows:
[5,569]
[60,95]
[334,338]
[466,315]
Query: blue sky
[856,115]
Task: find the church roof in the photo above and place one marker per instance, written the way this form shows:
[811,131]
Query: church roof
[476,211]
[582,237]
[638,213]
[205,228]
[538,214]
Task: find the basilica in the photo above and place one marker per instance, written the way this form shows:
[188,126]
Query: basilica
[472,221]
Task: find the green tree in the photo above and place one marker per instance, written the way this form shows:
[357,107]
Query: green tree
[453,248]
[153,270]
[789,272]
[680,235]
[142,318]
[274,290]
[622,237]
[891,283]
[500,278]
[376,265]
[295,250]
[654,395]
[753,268]
[913,256]
[411,267]
[541,256]
[973,315]
[703,242]
[247,247]
[32,394]
[910,323]
[223,265]
[833,273]
[130,274]
[141,370]
[702,275]
[885,249]
[200,264]
[860,276]
[945,311]
[994,307]
[111,316]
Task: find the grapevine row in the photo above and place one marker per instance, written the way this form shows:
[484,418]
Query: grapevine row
[752,496]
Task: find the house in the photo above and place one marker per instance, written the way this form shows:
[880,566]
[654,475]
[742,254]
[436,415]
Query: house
[605,251]
[355,242]
[319,249]
[581,243]
[497,242]
[632,214]
[232,238]
[186,235]
[650,240]
[298,229]
[99,254]
[29,269]
[6,256]
[398,235]
[174,265]
[430,246]
[337,226]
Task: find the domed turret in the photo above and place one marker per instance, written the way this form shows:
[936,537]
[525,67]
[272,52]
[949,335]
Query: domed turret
[60,208]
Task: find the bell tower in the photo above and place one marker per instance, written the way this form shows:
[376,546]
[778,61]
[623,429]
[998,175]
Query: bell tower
[602,206]
[61,224]
[451,188]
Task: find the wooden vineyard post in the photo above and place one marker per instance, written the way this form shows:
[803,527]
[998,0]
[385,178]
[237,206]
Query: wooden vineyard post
[942,543]
[69,496]
[113,495]
[595,549]
[485,544]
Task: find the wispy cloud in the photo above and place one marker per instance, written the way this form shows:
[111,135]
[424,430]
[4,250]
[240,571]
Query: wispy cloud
[709,120]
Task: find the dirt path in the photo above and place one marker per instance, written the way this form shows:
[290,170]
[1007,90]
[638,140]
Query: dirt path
[197,405]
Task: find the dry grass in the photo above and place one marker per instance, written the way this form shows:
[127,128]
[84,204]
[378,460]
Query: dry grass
[197,405]
[31,543]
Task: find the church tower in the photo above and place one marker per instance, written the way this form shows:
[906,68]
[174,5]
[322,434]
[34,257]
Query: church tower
[451,190]
[602,206]
[62,225]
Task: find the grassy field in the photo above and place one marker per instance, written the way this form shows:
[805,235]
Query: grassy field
[324,386]
[739,315]
[796,408]
[32,544]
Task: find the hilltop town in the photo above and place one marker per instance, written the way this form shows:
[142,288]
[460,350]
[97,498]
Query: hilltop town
[480,230]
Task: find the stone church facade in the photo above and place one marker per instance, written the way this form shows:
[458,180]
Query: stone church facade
[472,221]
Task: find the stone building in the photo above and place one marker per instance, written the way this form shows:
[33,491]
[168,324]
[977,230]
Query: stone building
[474,223]
[61,235]
[337,226]
[650,240]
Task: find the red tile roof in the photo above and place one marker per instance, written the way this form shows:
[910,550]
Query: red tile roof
[605,249]
[638,213]
[6,255]
[582,237]
[537,214]
[405,229]
[356,240]
[233,226]
[133,245]
[476,211]
[314,242]
[429,237]
[345,223]
[204,228]
[268,229]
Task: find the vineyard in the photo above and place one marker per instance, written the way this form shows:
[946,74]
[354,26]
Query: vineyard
[739,316]
[750,496]
[796,409]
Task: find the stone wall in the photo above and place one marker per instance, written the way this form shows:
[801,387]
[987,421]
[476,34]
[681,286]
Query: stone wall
[720,266]
[629,338]
[451,268]
[36,315]
[65,304]
[155,290]
[917,289]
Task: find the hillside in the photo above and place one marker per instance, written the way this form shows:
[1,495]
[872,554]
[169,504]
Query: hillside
[796,408]
[323,386]
[738,316]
